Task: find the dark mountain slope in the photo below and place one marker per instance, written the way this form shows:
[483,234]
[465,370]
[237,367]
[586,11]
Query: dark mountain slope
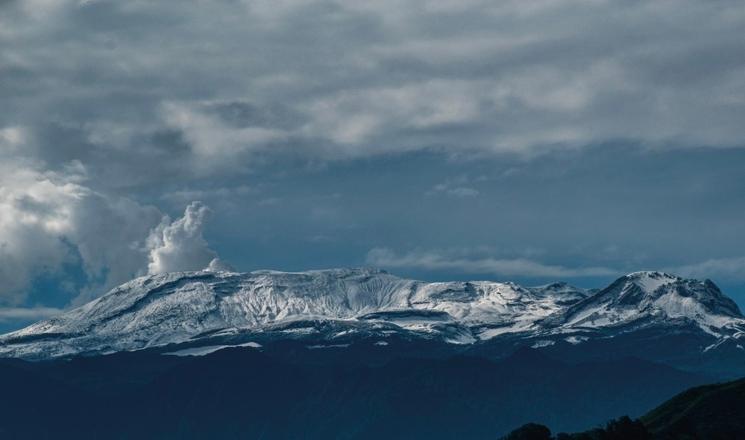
[247,393]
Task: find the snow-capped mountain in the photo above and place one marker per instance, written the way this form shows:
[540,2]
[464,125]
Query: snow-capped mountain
[177,307]
[206,308]
[641,298]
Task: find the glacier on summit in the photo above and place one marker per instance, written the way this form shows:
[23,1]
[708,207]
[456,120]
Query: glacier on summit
[210,307]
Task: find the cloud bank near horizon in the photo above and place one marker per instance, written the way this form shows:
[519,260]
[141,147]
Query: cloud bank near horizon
[501,267]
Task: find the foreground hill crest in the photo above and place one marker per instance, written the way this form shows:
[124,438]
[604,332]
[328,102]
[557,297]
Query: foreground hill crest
[338,304]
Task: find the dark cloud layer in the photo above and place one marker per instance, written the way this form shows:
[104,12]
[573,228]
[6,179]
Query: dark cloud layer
[213,83]
[438,138]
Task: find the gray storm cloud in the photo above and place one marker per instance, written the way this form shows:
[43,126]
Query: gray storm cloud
[149,92]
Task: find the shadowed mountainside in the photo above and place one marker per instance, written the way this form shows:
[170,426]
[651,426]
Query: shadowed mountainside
[244,392]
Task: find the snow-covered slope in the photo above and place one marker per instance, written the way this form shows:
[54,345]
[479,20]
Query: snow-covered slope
[651,298]
[177,307]
[189,307]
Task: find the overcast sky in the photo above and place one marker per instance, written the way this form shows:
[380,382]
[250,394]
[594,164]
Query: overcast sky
[527,141]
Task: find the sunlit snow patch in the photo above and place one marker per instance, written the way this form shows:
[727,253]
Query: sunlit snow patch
[203,351]
[574,340]
[315,347]
[539,344]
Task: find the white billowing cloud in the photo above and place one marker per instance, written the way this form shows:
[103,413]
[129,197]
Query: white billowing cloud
[53,224]
[212,141]
[350,118]
[50,221]
[180,246]
[522,267]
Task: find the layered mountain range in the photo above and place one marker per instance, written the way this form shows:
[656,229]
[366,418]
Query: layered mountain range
[661,317]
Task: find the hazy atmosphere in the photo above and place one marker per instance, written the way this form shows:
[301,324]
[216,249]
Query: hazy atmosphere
[527,141]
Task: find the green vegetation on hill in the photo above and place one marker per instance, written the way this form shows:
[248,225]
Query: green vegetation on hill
[706,412]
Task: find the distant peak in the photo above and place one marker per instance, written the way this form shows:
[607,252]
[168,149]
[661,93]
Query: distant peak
[654,274]
[559,285]
[650,281]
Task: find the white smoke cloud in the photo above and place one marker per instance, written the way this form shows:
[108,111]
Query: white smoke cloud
[180,245]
